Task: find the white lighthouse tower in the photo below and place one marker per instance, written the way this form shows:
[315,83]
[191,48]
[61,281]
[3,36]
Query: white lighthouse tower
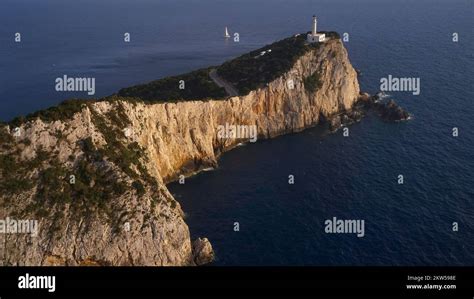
[314,36]
[315,25]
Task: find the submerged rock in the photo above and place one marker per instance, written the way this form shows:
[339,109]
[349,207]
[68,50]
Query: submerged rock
[387,110]
[390,111]
[393,112]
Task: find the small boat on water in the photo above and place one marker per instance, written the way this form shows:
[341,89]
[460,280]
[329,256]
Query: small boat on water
[226,33]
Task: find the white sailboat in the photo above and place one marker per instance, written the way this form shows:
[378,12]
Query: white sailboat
[226,32]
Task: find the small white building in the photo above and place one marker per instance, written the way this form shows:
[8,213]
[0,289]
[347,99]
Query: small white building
[314,36]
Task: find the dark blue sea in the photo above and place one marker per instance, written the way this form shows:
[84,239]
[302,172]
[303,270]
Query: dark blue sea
[351,177]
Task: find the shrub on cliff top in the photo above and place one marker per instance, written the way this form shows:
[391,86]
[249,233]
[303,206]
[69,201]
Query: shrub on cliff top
[64,110]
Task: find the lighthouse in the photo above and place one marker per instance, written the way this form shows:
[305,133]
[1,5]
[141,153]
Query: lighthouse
[314,36]
[315,25]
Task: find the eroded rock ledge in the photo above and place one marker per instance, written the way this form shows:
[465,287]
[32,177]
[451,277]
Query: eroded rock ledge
[388,110]
[122,153]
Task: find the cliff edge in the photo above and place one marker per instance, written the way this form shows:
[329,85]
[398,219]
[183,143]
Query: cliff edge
[95,179]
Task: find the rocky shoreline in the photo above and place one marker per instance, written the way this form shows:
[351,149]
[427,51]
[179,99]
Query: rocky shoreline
[388,110]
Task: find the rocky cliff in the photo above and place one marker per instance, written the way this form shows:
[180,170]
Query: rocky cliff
[96,181]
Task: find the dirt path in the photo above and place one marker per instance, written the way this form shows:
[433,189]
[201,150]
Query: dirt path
[231,90]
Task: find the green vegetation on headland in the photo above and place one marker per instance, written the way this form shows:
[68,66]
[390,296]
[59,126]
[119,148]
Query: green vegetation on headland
[247,72]
[64,110]
[196,85]
[253,70]
[257,68]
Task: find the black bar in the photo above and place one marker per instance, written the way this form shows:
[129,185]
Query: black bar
[220,282]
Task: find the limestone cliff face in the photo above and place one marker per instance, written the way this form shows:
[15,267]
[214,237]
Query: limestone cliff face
[146,226]
[181,137]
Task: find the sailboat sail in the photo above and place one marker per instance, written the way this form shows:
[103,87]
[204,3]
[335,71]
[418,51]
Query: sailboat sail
[226,32]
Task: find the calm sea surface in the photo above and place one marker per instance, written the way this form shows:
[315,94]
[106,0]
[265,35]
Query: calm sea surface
[335,176]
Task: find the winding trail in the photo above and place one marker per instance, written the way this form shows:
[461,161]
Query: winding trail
[229,88]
